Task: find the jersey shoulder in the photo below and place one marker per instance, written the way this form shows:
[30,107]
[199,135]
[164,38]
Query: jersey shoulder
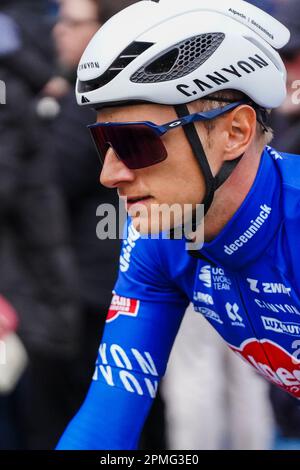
[289,167]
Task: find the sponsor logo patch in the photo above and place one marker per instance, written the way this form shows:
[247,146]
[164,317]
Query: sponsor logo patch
[89,66]
[252,230]
[268,287]
[234,315]
[204,298]
[213,80]
[273,362]
[208,313]
[287,328]
[129,369]
[276,308]
[122,306]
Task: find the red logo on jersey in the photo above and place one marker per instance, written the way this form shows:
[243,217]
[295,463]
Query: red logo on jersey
[273,362]
[122,306]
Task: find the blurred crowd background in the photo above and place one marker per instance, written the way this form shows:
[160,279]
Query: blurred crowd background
[56,277]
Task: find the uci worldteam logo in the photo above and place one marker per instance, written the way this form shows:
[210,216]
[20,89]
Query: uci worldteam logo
[214,277]
[205,276]
[122,306]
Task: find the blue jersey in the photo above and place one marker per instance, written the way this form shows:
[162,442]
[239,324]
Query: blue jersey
[247,285]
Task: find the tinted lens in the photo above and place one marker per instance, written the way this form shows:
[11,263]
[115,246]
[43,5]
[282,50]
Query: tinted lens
[136,145]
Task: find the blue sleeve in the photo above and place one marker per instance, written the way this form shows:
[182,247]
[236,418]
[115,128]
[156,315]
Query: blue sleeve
[141,326]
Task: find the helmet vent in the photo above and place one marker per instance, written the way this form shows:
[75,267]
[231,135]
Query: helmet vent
[125,58]
[181,60]
[164,63]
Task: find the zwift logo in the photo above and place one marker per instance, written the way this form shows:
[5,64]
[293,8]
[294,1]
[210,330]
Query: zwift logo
[269,287]
[255,226]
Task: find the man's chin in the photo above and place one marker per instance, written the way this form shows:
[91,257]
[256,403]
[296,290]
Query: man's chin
[150,228]
[144,226]
[154,226]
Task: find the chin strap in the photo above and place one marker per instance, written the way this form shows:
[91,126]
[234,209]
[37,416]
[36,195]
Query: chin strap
[226,170]
[197,147]
[212,183]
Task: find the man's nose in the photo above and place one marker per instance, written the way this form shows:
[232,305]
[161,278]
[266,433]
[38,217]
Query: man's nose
[114,171]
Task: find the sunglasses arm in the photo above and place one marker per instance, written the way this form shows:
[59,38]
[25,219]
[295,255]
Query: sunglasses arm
[204,116]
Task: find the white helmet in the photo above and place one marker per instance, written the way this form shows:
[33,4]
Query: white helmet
[174,52]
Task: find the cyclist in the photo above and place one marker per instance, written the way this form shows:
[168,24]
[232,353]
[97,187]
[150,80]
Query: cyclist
[210,70]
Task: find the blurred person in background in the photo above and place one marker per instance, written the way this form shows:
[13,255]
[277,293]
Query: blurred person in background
[70,147]
[13,362]
[287,139]
[287,118]
[267,5]
[37,268]
[52,7]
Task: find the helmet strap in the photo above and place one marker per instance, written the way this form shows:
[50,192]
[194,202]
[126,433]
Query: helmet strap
[226,170]
[197,147]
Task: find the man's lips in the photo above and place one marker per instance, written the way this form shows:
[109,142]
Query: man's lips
[131,201]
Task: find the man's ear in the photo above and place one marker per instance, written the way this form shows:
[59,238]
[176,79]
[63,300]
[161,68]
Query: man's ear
[239,128]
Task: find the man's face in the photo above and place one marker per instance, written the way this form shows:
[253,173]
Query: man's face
[178,180]
[77,23]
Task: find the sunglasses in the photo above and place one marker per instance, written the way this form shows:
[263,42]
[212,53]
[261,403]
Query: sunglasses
[138,144]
